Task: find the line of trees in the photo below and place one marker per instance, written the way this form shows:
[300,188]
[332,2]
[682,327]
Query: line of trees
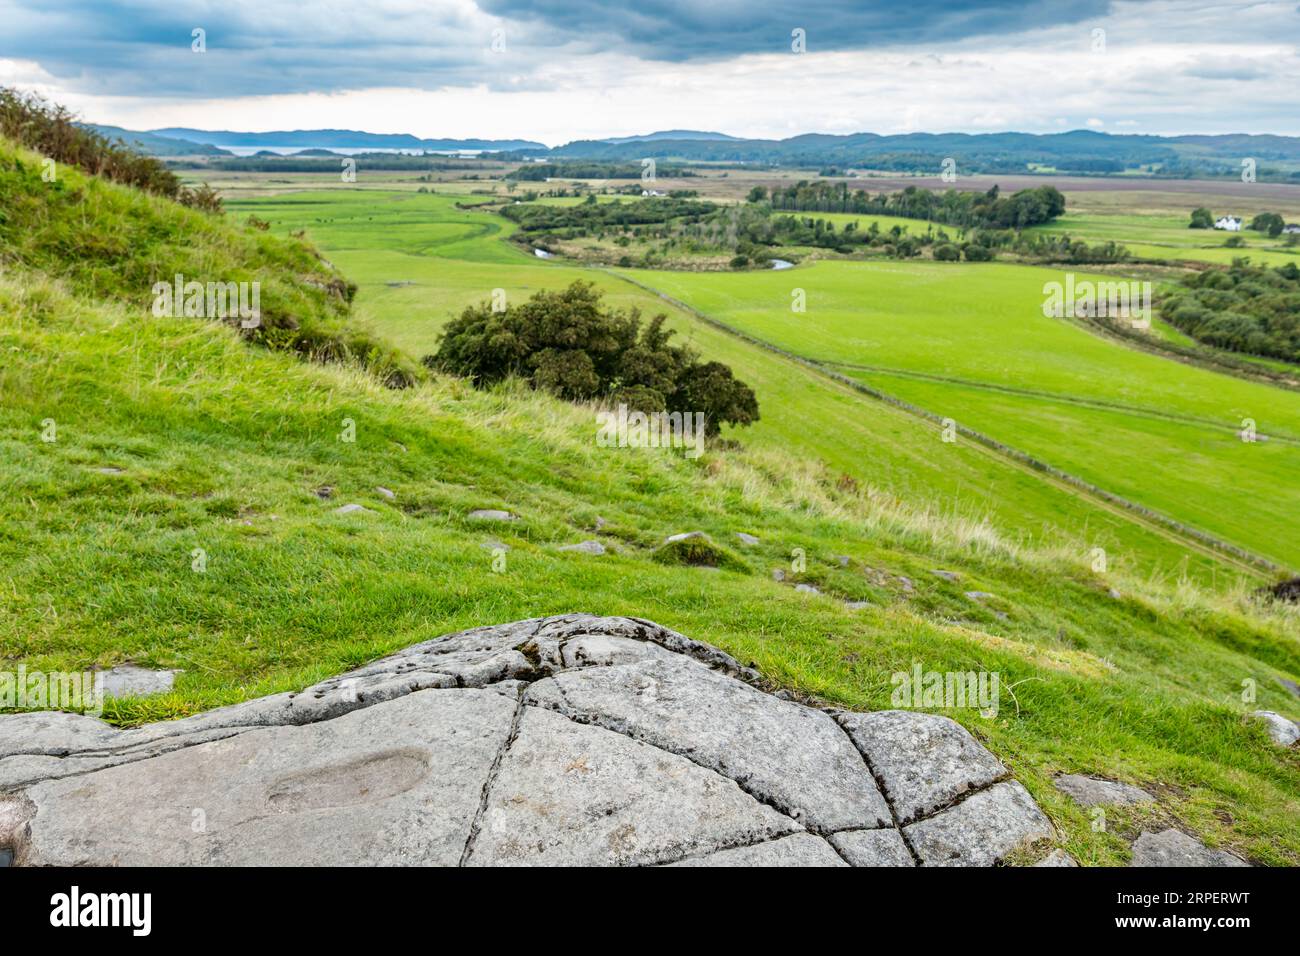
[989,210]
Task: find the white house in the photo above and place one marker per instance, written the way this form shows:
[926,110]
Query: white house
[1228,223]
[1291,229]
[651,192]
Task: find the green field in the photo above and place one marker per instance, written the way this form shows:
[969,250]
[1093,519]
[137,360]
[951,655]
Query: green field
[384,241]
[970,342]
[1167,237]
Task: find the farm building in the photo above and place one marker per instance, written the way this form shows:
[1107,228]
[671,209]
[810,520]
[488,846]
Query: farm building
[1228,223]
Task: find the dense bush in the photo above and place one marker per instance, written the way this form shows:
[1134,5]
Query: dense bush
[1244,308]
[569,344]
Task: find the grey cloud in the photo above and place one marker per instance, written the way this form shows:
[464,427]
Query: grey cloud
[259,47]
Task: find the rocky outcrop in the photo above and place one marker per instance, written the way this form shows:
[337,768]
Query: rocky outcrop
[565,740]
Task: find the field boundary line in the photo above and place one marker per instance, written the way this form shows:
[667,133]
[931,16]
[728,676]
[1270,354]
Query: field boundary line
[1205,358]
[1052,396]
[1221,548]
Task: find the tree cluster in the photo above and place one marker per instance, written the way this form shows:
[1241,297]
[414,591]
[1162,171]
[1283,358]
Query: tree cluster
[569,344]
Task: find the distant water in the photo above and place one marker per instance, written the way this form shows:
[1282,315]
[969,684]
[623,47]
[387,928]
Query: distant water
[543,254]
[782,264]
[350,150]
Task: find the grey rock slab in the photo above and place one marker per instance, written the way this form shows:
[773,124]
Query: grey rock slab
[981,830]
[1175,848]
[585,547]
[873,847]
[857,605]
[798,849]
[386,492]
[352,508]
[923,761]
[978,595]
[129,680]
[806,589]
[746,538]
[1094,791]
[946,575]
[778,574]
[788,755]
[51,732]
[1281,730]
[685,536]
[1290,685]
[576,795]
[398,783]
[491,514]
[1057,857]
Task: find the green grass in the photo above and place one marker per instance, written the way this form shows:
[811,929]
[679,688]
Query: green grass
[222,447]
[1115,416]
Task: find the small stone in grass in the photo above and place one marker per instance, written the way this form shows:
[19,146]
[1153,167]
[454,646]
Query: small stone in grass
[946,575]
[1281,731]
[491,514]
[352,508]
[746,538]
[586,547]
[806,589]
[386,492]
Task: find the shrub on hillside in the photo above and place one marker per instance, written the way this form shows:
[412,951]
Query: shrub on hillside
[52,131]
[569,344]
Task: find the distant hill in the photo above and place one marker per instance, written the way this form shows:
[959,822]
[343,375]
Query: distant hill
[674,134]
[341,139]
[155,144]
[1086,152]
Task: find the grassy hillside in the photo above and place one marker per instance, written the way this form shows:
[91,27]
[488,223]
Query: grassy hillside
[184,515]
[114,242]
[420,258]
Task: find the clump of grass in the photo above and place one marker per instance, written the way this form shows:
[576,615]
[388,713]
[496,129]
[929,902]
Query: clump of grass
[699,552]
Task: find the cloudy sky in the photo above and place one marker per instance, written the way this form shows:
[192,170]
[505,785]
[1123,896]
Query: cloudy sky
[558,70]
